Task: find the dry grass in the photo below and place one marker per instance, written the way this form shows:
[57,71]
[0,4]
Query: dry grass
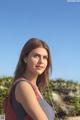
[73,118]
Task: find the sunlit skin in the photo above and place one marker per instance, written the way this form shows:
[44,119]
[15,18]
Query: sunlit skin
[36,61]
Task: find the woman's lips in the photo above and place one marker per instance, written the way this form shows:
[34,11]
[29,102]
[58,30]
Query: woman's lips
[39,67]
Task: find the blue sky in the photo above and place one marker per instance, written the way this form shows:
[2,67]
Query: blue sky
[55,21]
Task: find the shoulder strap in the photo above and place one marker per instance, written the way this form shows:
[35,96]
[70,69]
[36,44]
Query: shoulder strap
[23,79]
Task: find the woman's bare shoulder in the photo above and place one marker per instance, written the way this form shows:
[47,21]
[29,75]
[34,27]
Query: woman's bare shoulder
[25,95]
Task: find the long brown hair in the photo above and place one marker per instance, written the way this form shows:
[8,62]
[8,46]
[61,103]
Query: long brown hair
[31,44]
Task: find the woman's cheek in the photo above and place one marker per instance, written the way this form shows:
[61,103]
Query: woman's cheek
[46,62]
[34,61]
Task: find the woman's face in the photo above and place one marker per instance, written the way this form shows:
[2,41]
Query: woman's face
[37,61]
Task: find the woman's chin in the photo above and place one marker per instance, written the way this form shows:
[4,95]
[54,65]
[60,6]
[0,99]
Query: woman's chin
[39,72]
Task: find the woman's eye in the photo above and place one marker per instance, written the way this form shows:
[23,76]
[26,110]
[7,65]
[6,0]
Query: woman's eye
[45,57]
[36,56]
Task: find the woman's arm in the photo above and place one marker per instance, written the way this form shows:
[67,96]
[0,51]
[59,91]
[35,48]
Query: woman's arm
[26,96]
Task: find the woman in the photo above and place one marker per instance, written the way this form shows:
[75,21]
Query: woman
[31,76]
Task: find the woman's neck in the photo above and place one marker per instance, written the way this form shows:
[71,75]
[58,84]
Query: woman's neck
[31,77]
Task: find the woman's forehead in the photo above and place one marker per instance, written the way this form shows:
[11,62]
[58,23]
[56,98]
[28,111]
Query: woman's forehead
[40,50]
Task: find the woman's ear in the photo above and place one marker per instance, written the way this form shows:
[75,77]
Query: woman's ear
[25,59]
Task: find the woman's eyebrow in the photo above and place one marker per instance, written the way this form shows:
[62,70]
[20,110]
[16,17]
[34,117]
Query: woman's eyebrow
[40,54]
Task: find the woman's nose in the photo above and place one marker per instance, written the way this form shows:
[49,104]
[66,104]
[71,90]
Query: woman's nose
[41,60]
